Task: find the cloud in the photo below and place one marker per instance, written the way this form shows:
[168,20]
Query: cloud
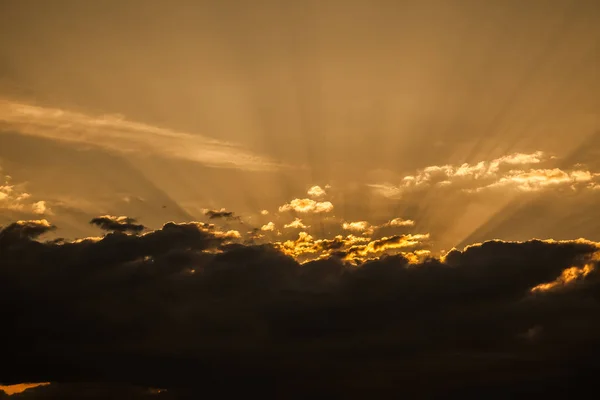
[264,212]
[296,224]
[400,222]
[537,179]
[117,224]
[189,309]
[357,252]
[349,248]
[19,388]
[567,277]
[268,227]
[230,234]
[367,229]
[13,197]
[116,133]
[502,172]
[358,226]
[222,213]
[307,206]
[39,207]
[316,191]
[22,230]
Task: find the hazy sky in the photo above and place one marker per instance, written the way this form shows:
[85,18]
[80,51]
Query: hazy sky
[261,186]
[123,107]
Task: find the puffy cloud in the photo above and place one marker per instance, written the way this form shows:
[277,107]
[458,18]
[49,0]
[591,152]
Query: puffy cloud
[357,252]
[296,224]
[117,224]
[230,234]
[39,207]
[264,212]
[400,222]
[14,198]
[517,159]
[316,191]
[307,206]
[268,227]
[128,308]
[537,179]
[350,248]
[506,171]
[359,226]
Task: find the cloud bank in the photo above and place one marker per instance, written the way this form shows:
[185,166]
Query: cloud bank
[191,309]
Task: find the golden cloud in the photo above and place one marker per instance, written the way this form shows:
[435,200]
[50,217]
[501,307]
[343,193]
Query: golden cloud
[358,226]
[568,276]
[351,248]
[116,133]
[14,198]
[268,227]
[307,206]
[500,172]
[400,222]
[316,191]
[296,224]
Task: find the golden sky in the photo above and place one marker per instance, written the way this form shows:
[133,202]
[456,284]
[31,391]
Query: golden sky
[261,186]
[408,109]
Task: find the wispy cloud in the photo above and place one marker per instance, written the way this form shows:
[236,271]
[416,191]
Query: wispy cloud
[116,133]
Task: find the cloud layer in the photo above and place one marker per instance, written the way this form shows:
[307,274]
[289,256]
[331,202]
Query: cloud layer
[116,133]
[189,308]
[518,171]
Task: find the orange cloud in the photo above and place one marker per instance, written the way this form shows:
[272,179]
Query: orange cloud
[116,133]
[20,387]
[358,226]
[268,227]
[307,206]
[14,198]
[316,191]
[400,222]
[567,277]
[500,172]
[537,179]
[351,248]
[296,224]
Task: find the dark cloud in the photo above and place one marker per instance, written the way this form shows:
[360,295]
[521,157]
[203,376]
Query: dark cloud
[214,214]
[23,230]
[117,224]
[186,308]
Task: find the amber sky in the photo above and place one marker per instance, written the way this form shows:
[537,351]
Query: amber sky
[474,119]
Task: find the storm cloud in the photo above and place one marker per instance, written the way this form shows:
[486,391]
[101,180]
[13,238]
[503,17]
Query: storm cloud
[189,308]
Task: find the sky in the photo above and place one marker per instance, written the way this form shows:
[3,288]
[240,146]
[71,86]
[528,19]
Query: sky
[214,140]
